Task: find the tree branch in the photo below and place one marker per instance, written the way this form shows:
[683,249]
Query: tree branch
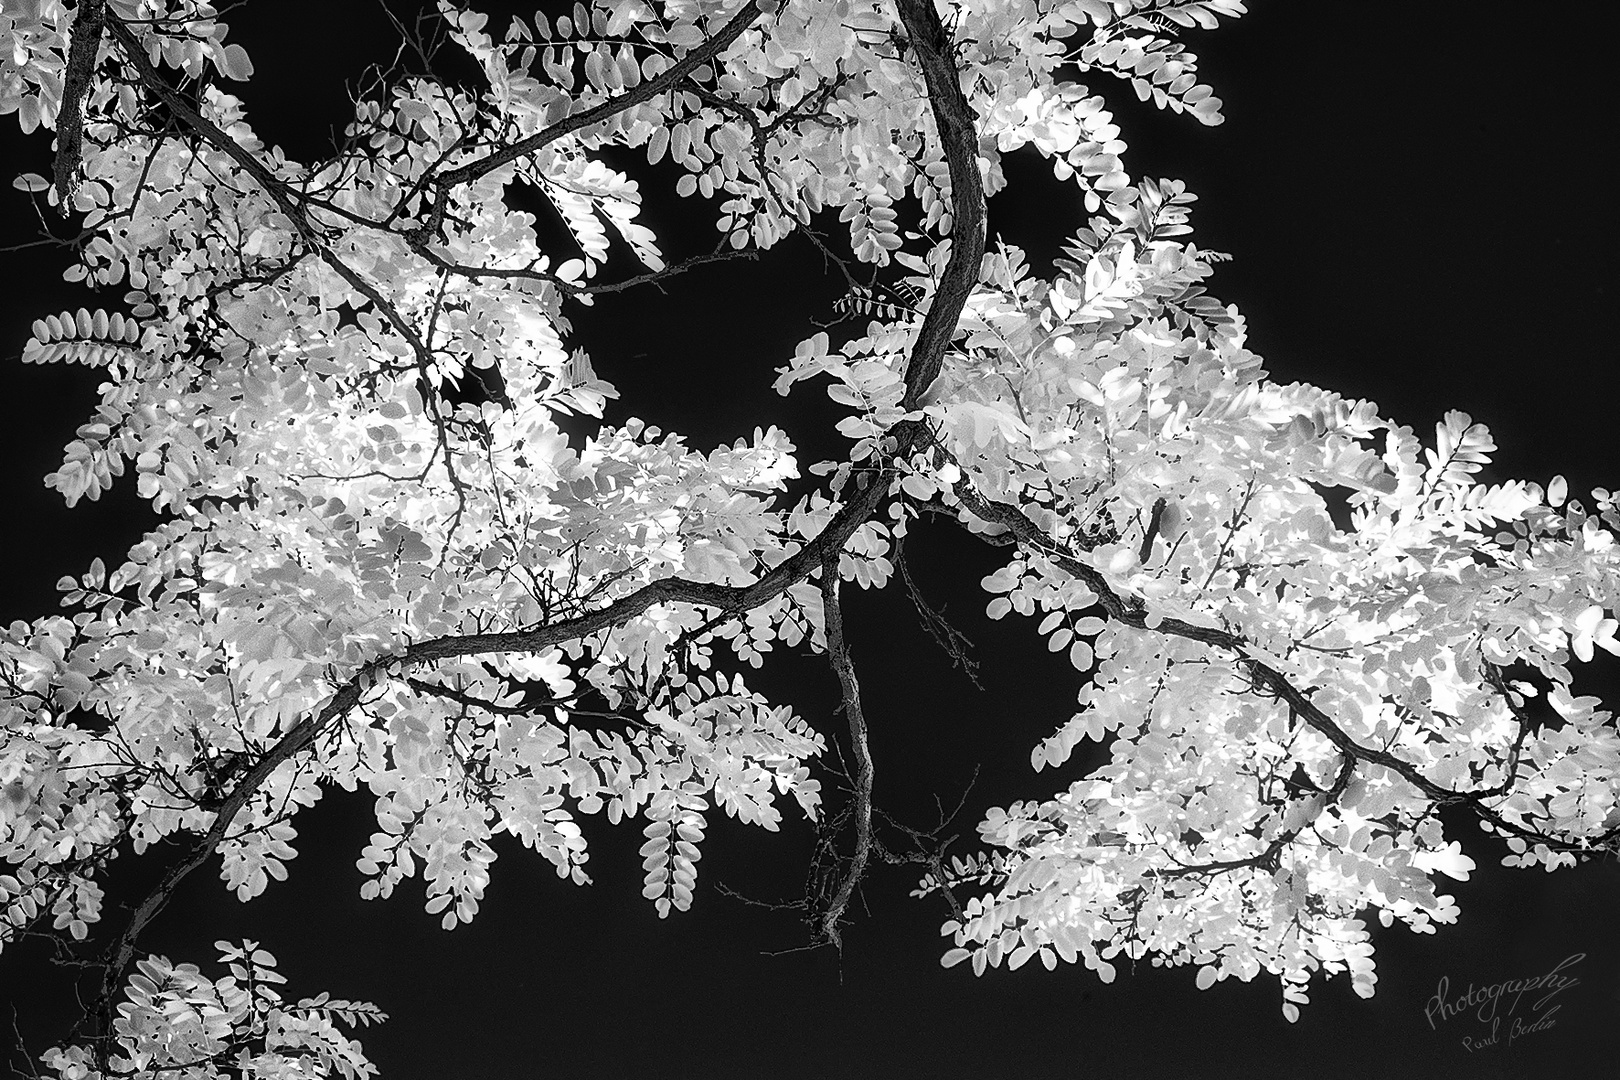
[959,139]
[525,274]
[122,951]
[954,643]
[275,188]
[850,689]
[1132,612]
[81,62]
[667,79]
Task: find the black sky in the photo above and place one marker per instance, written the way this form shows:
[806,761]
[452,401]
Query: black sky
[1418,214]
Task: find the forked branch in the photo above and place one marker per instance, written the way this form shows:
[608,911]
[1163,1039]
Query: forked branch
[850,692]
[955,122]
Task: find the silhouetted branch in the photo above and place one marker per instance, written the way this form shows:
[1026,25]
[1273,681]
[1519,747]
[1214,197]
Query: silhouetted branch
[849,687]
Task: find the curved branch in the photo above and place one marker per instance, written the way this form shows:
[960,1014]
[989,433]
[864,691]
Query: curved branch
[850,691]
[1132,613]
[956,124]
[122,951]
[960,143]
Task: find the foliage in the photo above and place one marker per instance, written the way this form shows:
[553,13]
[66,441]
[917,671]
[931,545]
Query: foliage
[178,1021]
[383,563]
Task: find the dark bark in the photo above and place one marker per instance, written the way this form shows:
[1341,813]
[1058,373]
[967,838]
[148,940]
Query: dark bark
[81,62]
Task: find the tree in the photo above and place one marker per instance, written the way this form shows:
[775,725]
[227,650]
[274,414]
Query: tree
[385,562]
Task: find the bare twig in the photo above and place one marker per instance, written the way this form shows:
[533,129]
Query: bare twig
[947,637]
[652,277]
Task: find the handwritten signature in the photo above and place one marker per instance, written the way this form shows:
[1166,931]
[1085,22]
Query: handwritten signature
[1485,1002]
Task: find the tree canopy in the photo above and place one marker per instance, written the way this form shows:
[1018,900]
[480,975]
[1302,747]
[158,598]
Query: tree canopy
[398,550]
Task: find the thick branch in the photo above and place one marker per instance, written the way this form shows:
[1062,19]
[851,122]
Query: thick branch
[959,142]
[122,952]
[956,282]
[81,63]
[850,691]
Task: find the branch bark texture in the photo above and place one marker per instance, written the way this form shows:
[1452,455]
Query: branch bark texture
[81,62]
[955,121]
[850,691]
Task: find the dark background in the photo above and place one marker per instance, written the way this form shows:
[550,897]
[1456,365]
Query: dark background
[1414,198]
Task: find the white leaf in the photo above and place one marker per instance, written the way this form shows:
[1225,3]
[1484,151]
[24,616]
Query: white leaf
[1449,860]
[234,64]
[1557,491]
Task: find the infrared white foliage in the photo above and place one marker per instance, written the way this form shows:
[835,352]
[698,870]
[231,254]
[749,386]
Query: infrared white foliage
[344,544]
